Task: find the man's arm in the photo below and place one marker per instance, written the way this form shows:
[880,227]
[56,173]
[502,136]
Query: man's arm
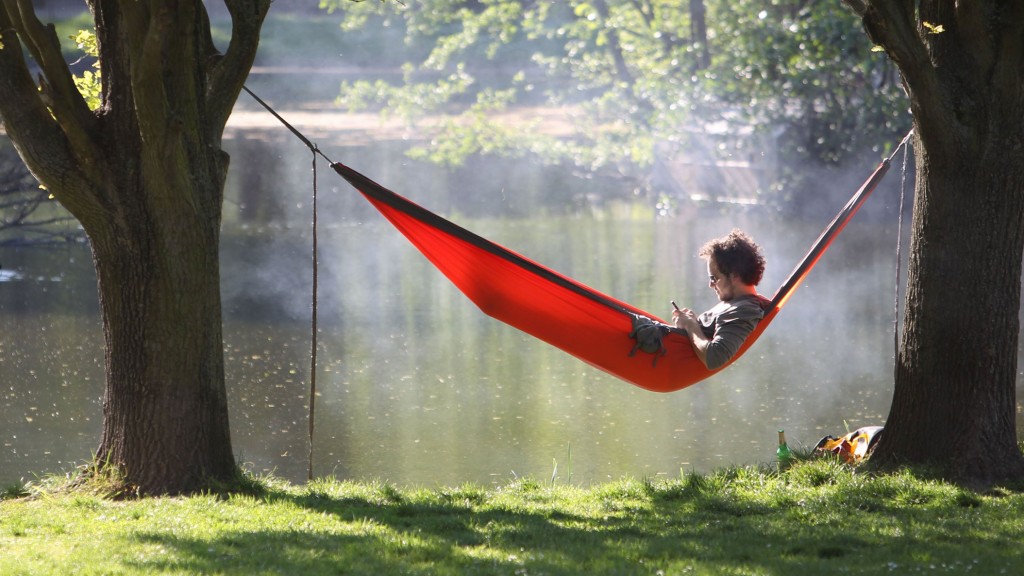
[731,330]
[730,333]
[686,319]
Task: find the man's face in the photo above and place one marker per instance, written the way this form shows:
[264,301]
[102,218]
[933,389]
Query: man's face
[724,286]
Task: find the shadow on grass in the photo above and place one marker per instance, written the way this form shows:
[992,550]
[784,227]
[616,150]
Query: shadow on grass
[392,535]
[640,529]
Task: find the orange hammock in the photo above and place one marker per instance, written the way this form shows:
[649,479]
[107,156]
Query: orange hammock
[591,326]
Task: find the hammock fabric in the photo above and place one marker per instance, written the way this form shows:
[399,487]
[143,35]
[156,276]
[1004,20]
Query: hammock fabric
[592,326]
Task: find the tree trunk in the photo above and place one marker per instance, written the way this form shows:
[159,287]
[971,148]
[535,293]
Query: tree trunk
[165,423]
[699,34]
[954,405]
[144,175]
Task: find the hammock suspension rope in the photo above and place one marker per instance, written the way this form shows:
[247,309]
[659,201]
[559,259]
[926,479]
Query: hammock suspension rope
[899,261]
[313,326]
[314,150]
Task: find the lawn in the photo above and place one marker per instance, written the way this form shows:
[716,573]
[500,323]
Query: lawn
[819,517]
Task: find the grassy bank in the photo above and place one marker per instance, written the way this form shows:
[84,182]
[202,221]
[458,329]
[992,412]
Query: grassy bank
[818,518]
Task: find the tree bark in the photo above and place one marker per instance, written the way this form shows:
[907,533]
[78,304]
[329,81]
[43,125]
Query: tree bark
[954,405]
[165,407]
[144,175]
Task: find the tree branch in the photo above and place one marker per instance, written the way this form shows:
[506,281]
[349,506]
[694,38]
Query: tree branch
[893,24]
[227,74]
[147,28]
[41,142]
[58,88]
[614,45]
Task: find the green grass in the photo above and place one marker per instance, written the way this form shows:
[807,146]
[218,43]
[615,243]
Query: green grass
[817,518]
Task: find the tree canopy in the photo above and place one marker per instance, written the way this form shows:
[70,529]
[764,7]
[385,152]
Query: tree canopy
[630,74]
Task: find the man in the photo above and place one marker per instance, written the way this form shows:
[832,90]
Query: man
[735,267]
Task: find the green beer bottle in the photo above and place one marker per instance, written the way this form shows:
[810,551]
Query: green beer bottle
[783,454]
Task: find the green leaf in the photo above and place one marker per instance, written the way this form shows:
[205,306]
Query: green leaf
[89,83]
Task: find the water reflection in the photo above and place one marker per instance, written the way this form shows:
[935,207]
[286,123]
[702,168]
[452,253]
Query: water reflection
[416,386]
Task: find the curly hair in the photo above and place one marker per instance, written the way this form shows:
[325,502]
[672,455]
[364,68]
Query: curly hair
[737,254]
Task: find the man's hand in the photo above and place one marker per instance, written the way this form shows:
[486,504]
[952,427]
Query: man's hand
[686,319]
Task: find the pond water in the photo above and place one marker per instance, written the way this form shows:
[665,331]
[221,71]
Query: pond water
[415,385]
